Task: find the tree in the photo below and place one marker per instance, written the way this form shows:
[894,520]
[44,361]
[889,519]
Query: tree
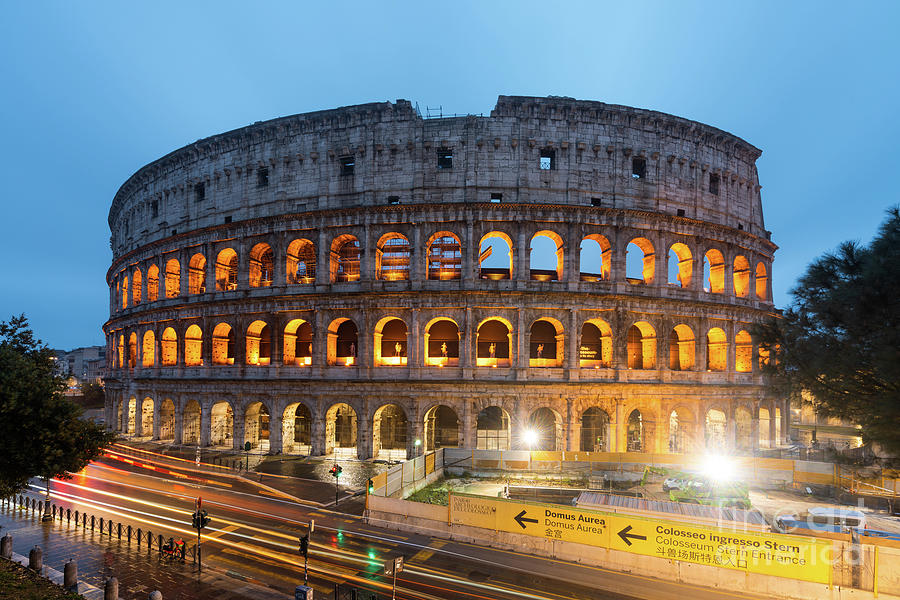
[839,341]
[41,432]
[93,395]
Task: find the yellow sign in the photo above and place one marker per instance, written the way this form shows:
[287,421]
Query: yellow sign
[795,557]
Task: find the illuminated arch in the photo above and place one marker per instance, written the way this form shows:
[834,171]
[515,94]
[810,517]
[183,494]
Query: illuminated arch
[124,289]
[441,428]
[596,258]
[345,258]
[152,283]
[715,431]
[259,343]
[136,287]
[221,424]
[595,350]
[193,346]
[132,350]
[634,432]
[741,277]
[681,265]
[546,343]
[504,266]
[223,345]
[392,257]
[197,274]
[682,348]
[716,350]
[641,346]
[389,432]
[594,430]
[762,282]
[262,265]
[301,262]
[444,255]
[173,278]
[442,342]
[545,428]
[341,430]
[547,256]
[226,270]
[343,342]
[169,347]
[743,352]
[714,271]
[296,429]
[148,349]
[297,343]
[494,343]
[647,263]
[391,342]
[492,429]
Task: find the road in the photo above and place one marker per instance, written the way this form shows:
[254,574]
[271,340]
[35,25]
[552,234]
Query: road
[255,533]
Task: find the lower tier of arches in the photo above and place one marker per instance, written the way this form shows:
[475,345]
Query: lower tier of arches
[395,422]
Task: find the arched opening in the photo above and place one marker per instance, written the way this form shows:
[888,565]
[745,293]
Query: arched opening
[743,429]
[120,425]
[741,277]
[296,429]
[596,344]
[762,282]
[124,290]
[493,344]
[764,428]
[444,256]
[197,275]
[132,350]
[226,270]
[146,418]
[543,431]
[634,432]
[256,426]
[594,430]
[343,342]
[153,283]
[714,272]
[441,428]
[680,423]
[392,257]
[442,343]
[546,259]
[193,346]
[121,351]
[492,427]
[777,439]
[340,431]
[641,346]
[169,347]
[390,342]
[682,347]
[716,350]
[262,265]
[136,287]
[681,265]
[743,352]
[148,349]
[167,420]
[389,429]
[173,278]
[301,262]
[640,262]
[595,258]
[223,345]
[345,253]
[190,424]
[221,425]
[716,440]
[259,343]
[546,344]
[132,415]
[298,343]
[495,257]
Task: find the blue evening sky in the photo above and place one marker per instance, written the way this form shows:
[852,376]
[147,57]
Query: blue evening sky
[91,91]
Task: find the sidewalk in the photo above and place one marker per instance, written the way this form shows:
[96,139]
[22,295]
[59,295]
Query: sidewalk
[138,570]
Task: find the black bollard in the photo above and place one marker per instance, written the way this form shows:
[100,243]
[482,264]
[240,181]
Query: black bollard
[111,589]
[129,534]
[69,516]
[139,536]
[36,559]
[92,522]
[70,576]
[101,525]
[6,547]
[159,542]
[119,531]
[84,520]
[109,528]
[53,510]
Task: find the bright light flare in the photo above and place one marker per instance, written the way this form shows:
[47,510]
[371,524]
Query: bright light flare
[719,467]
[530,437]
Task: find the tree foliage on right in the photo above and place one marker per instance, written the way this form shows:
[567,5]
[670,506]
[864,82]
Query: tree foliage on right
[839,341]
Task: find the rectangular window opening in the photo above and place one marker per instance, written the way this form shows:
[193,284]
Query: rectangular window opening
[200,192]
[348,163]
[680,212]
[548,159]
[714,184]
[445,159]
[393,199]
[262,177]
[154,208]
[496,198]
[228,219]
[638,167]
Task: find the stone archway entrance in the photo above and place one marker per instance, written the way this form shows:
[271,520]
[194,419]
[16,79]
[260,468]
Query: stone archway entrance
[389,433]
[340,431]
[441,428]
[296,428]
[221,425]
[256,426]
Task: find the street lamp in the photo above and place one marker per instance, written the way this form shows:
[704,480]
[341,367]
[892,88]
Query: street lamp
[418,443]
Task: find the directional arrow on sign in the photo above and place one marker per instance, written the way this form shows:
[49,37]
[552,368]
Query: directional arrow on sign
[521,520]
[627,537]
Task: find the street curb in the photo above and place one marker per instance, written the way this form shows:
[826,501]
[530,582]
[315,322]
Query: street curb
[88,591]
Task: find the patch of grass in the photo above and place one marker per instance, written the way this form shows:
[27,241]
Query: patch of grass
[436,493]
[19,583]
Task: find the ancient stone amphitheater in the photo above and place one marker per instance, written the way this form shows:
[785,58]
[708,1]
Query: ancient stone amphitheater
[559,275]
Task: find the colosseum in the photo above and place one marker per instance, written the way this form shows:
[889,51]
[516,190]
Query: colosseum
[368,282]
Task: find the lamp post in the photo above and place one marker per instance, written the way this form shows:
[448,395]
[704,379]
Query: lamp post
[418,445]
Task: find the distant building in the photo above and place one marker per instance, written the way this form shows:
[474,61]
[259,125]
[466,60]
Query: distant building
[82,364]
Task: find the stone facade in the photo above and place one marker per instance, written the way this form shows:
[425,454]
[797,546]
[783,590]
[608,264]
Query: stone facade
[319,283]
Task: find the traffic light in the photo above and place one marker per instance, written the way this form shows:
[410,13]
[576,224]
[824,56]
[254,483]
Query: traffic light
[336,471]
[304,545]
[199,519]
[371,487]
[204,518]
[195,520]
